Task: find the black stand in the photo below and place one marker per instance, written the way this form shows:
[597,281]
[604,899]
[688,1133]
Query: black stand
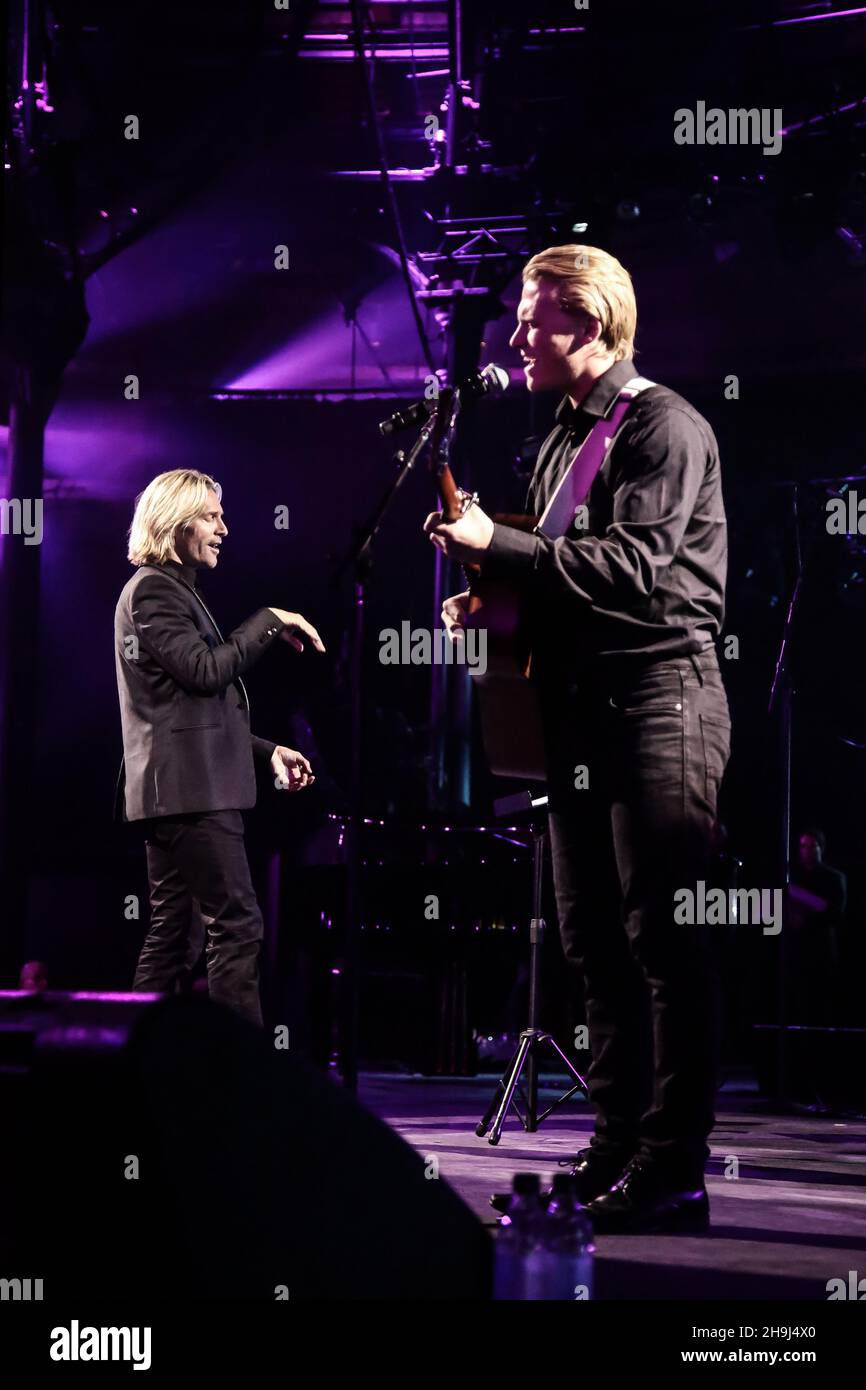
[532,1039]
[359,559]
[782,698]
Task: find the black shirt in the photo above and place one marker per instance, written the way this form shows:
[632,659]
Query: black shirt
[645,578]
[827,883]
[188,573]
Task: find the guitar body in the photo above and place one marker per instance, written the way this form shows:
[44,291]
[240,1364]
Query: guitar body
[510,713]
[507,699]
[499,607]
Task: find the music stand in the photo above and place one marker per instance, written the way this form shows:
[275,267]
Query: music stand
[532,1038]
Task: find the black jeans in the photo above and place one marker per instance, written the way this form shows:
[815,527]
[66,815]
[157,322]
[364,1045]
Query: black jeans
[202,857]
[654,745]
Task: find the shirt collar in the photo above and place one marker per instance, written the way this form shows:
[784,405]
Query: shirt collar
[601,396]
[185,572]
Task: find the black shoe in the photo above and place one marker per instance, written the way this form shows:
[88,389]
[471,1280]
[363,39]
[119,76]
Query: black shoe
[647,1199]
[593,1172]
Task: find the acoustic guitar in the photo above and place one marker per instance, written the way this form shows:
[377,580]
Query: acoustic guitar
[508,699]
[510,715]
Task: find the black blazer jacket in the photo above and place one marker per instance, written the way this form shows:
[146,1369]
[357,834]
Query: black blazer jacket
[187,744]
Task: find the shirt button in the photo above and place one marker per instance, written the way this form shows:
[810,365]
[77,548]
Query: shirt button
[677,705]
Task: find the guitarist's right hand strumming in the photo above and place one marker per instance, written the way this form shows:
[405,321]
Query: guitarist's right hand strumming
[454,614]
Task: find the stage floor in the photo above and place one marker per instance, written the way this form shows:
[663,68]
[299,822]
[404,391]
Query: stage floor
[793,1218]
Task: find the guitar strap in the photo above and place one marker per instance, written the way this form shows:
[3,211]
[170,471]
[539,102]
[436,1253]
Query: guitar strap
[572,491]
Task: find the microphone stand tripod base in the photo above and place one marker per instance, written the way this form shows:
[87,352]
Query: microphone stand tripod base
[533,1038]
[526,1056]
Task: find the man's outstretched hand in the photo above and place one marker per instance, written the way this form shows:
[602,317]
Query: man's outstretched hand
[295,625]
[292,772]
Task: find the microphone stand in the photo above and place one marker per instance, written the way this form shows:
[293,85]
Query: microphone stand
[359,559]
[532,1038]
[782,696]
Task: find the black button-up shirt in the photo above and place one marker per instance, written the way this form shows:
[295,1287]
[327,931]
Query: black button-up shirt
[645,578]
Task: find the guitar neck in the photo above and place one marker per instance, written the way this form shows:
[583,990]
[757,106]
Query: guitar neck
[449,496]
[449,493]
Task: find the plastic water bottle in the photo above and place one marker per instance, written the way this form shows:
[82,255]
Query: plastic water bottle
[560,1266]
[518,1236]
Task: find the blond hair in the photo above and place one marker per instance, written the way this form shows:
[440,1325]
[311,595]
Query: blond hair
[168,504]
[592,282]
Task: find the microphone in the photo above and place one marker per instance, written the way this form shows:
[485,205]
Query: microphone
[491,380]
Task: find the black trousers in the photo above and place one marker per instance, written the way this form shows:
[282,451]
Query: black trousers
[654,746]
[198,872]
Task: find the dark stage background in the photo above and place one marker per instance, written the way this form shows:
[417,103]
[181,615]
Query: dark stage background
[254,134]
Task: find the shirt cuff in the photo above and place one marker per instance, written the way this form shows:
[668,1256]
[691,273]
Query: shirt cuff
[510,552]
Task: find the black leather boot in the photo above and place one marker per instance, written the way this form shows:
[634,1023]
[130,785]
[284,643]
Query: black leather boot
[646,1198]
[593,1172]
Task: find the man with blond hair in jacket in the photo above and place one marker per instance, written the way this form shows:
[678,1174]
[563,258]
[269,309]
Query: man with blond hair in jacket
[188,750]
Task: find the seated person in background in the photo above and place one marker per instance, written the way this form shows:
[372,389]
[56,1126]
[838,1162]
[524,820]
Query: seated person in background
[817,897]
[34,976]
